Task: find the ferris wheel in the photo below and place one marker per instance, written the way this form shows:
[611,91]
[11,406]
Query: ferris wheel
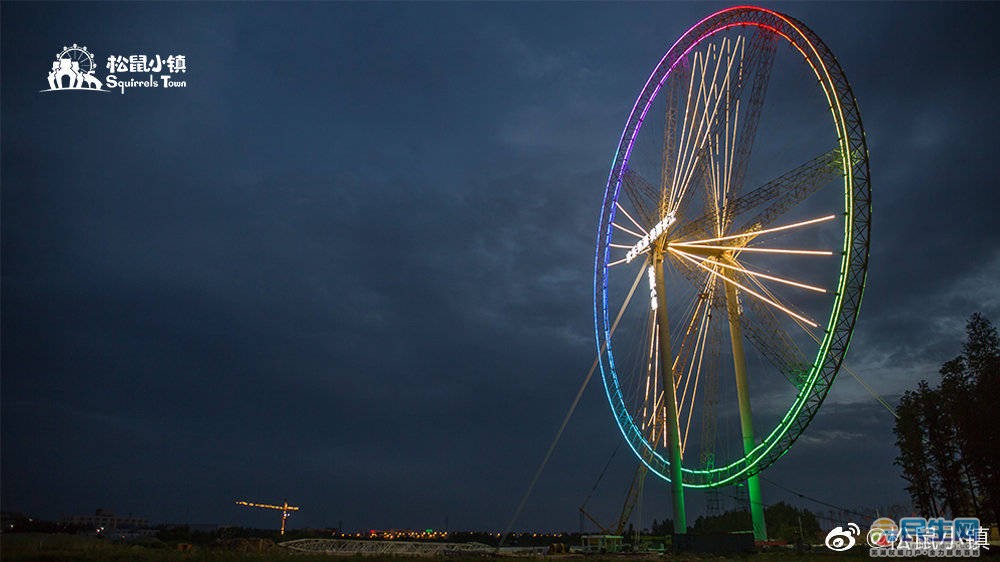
[79,55]
[732,250]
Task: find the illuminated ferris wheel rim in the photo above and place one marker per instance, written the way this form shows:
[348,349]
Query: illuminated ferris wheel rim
[853,155]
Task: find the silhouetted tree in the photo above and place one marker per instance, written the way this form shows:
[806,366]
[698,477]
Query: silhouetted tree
[949,426]
[981,447]
[954,394]
[942,445]
[910,439]
[784,522]
[665,527]
[728,522]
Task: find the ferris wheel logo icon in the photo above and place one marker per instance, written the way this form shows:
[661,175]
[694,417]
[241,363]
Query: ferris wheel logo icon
[73,69]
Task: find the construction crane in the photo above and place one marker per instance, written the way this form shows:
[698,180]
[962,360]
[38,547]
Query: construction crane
[631,499]
[285,508]
[634,490]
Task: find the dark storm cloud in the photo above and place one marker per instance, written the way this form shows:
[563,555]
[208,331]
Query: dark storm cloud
[351,263]
[936,255]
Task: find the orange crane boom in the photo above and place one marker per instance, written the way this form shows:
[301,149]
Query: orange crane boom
[285,508]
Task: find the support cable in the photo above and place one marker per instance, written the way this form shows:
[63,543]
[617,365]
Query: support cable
[601,477]
[572,408]
[870,391]
[805,497]
[847,368]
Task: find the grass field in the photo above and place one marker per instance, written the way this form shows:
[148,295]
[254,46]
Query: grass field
[40,547]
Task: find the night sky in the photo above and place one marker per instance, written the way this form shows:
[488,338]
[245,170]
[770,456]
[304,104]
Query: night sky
[351,263]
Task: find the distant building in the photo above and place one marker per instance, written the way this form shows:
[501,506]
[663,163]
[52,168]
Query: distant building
[107,520]
[10,520]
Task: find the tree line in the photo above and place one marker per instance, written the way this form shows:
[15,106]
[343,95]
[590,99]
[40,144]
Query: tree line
[948,435]
[784,522]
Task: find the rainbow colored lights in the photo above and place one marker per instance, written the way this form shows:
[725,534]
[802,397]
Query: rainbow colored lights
[836,336]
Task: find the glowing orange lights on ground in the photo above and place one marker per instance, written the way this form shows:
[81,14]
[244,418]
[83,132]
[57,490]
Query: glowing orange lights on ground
[406,534]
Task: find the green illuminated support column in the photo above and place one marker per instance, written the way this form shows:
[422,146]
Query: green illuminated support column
[746,420]
[670,396]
